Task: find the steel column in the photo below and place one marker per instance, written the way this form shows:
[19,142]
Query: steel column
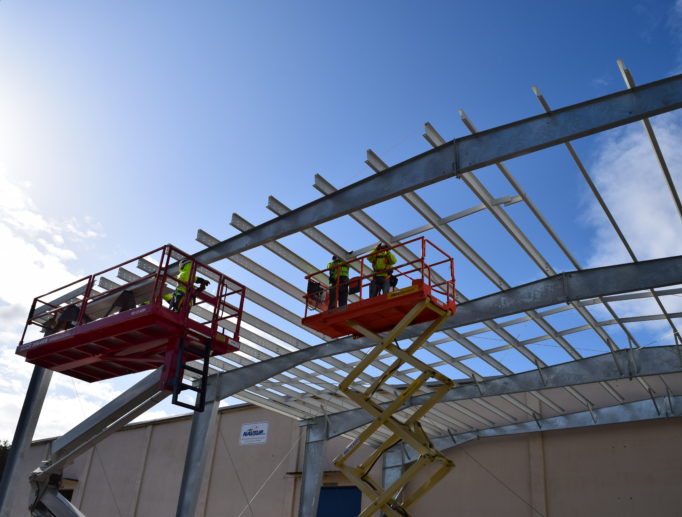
[393,466]
[311,481]
[28,419]
[201,443]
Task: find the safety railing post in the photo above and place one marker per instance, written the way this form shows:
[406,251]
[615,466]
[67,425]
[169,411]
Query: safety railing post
[362,276]
[156,289]
[238,324]
[28,321]
[86,296]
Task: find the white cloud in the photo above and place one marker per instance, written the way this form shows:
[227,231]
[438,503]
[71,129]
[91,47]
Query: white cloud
[37,256]
[600,82]
[629,178]
[38,253]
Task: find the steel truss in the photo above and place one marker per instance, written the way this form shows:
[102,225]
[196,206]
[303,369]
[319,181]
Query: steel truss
[273,369]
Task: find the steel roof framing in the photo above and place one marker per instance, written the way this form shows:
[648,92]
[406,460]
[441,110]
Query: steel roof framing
[297,376]
[466,154]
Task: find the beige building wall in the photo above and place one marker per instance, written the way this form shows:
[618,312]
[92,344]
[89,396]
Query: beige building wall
[622,470]
[617,470]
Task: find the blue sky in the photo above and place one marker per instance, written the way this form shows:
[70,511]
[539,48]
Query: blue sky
[126,125]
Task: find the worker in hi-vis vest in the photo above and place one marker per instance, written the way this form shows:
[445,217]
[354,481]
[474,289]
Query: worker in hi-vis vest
[176,299]
[382,261]
[338,282]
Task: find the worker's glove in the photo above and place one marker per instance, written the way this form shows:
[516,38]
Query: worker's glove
[202,282]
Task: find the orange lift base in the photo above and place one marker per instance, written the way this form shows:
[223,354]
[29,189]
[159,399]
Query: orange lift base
[131,341]
[377,314]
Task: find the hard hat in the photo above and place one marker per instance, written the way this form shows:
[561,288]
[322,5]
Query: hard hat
[184,262]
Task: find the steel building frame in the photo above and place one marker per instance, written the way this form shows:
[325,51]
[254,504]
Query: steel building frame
[280,371]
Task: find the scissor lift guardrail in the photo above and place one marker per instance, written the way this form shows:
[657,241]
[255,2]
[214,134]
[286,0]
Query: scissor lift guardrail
[95,329]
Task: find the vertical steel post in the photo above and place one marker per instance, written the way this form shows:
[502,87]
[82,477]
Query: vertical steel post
[311,482]
[28,419]
[392,468]
[201,439]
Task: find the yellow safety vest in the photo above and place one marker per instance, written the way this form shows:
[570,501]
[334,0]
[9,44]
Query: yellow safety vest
[183,276]
[337,266]
[381,261]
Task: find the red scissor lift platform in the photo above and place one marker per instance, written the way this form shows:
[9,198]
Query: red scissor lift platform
[429,273]
[95,328]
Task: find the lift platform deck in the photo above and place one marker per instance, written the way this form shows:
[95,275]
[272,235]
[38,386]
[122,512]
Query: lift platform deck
[131,341]
[379,313]
[95,328]
[426,271]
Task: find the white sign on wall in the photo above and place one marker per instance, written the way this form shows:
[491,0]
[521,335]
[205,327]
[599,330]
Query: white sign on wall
[256,432]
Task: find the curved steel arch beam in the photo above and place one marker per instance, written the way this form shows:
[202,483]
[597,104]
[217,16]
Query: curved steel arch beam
[465,154]
[562,288]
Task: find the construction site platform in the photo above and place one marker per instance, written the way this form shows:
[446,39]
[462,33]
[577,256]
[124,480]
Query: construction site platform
[131,341]
[378,314]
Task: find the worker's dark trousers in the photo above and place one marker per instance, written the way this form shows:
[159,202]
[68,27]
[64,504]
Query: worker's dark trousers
[342,288]
[176,301]
[379,285]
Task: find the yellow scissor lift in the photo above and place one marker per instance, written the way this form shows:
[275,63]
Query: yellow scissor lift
[430,297]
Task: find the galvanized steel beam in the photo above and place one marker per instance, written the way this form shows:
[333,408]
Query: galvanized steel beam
[108,415]
[628,363]
[392,466]
[563,288]
[648,409]
[573,286]
[466,154]
[57,504]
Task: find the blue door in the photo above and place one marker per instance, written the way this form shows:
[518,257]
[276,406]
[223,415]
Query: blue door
[339,501]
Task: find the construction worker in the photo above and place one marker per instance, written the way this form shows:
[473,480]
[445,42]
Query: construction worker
[338,282]
[62,320]
[176,299]
[382,261]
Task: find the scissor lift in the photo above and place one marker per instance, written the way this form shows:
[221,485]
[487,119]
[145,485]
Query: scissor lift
[95,328]
[430,297]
